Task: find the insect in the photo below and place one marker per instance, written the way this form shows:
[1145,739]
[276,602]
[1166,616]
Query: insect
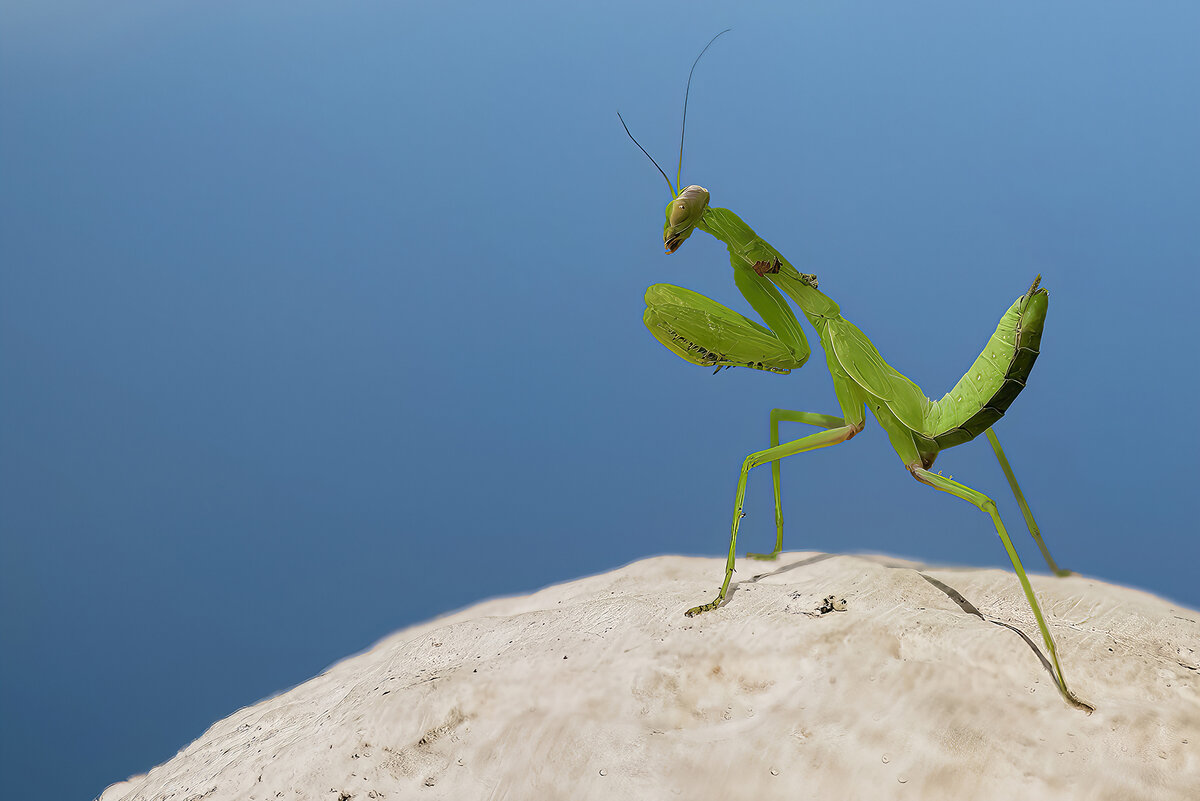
[706,333]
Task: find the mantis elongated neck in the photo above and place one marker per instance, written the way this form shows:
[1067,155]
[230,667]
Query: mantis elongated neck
[747,248]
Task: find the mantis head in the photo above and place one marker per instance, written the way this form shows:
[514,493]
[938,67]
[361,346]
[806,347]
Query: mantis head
[684,212]
[687,206]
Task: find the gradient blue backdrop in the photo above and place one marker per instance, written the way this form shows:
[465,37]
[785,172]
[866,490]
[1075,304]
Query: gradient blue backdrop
[318,322]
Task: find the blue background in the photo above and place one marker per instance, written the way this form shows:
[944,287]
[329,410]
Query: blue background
[320,322]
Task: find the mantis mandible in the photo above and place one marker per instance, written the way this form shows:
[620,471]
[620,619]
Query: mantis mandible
[706,333]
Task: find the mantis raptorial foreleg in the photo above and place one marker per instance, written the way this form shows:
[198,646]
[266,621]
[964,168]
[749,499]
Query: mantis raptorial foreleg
[788,416]
[811,442]
[988,505]
[1020,496]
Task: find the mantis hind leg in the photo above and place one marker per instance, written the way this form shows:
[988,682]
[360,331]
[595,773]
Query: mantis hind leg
[988,505]
[811,442]
[1020,496]
[778,416]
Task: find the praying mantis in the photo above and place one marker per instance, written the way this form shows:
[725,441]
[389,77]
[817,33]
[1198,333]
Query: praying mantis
[706,333]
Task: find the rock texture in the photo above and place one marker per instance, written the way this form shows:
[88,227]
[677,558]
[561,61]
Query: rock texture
[930,684]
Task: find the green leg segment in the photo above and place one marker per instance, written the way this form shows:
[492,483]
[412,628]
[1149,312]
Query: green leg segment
[988,505]
[811,442]
[1029,521]
[788,416]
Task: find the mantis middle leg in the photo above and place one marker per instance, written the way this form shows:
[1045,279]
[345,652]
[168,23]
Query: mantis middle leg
[988,505]
[778,416]
[1029,521]
[811,442]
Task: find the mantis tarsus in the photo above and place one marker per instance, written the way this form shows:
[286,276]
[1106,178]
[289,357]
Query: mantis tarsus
[706,333]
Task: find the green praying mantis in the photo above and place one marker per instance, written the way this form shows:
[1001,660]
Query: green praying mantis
[706,333]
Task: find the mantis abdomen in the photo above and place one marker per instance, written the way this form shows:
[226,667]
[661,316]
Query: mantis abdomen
[984,393]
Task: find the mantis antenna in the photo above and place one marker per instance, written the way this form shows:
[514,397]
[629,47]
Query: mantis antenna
[683,125]
[678,186]
[652,161]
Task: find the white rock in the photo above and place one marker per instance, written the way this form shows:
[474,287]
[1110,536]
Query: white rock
[905,694]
